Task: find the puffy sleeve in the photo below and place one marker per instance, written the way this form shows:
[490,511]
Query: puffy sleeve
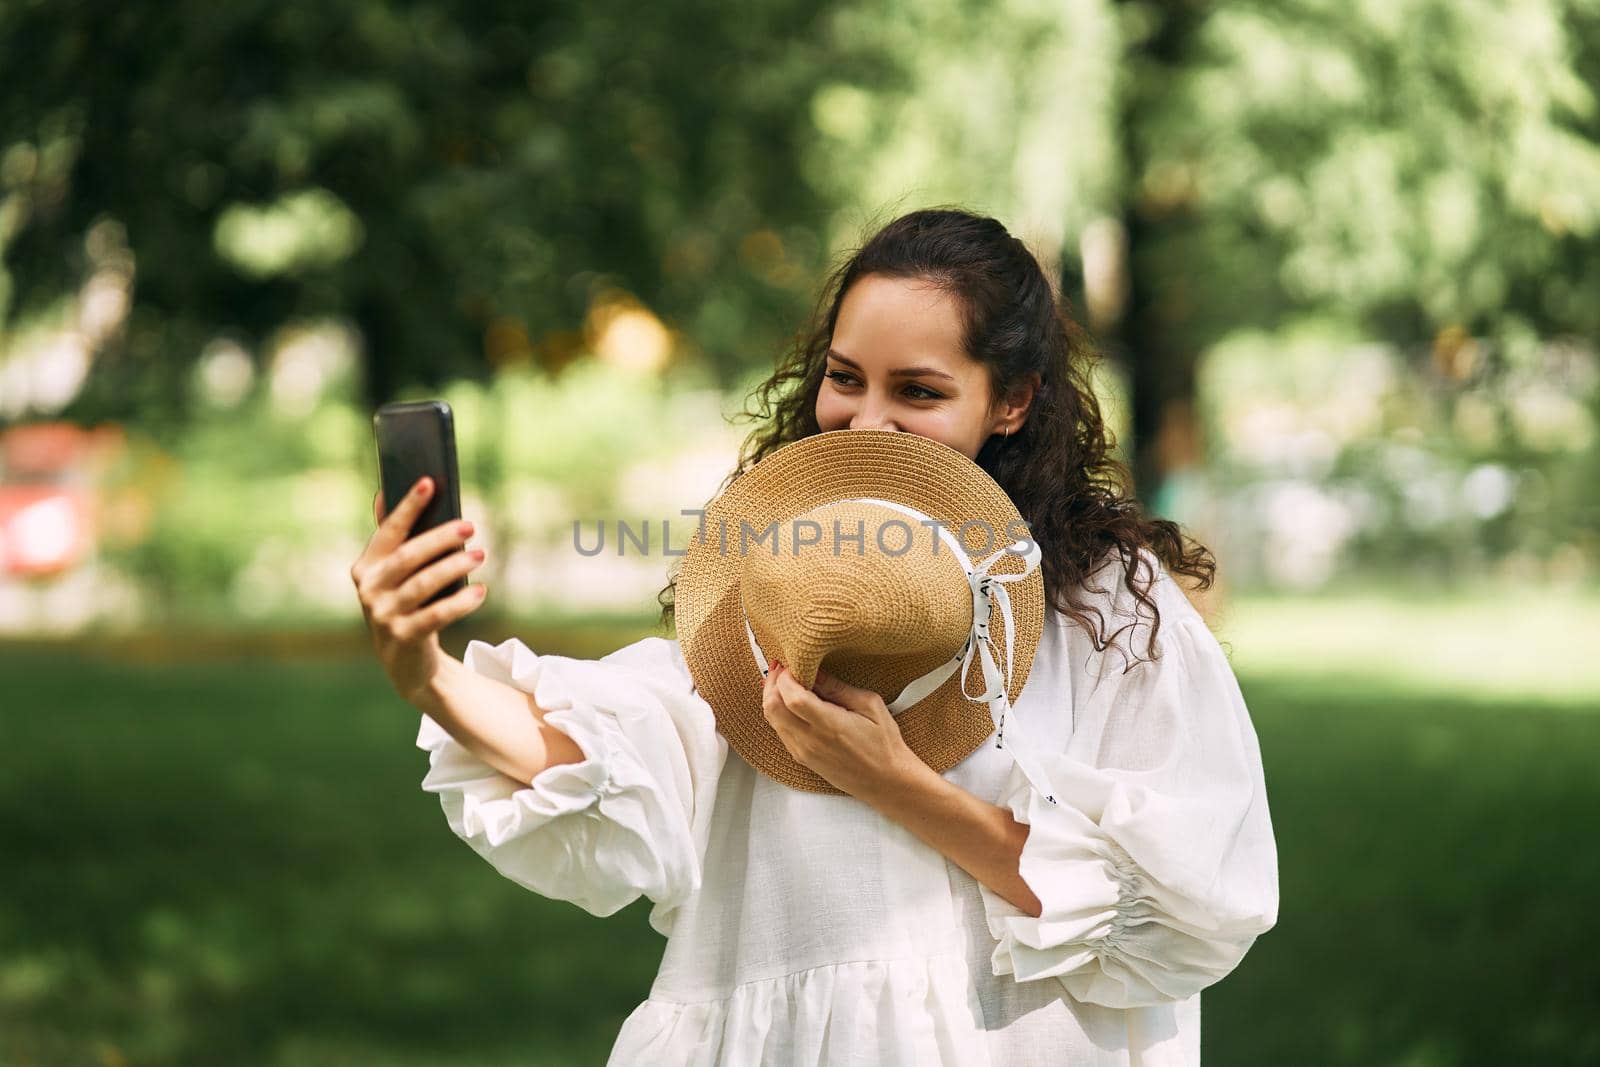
[632,817]
[1156,867]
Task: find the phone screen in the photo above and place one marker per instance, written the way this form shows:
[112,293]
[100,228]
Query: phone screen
[417,438]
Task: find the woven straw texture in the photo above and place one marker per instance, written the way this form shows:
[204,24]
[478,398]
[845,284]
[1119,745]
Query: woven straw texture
[876,616]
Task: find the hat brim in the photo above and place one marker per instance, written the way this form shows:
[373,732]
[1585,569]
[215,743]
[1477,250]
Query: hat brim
[943,728]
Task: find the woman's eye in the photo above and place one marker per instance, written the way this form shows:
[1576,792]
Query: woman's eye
[922,393]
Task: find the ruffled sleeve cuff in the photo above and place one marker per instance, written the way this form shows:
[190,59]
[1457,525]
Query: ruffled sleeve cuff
[1106,930]
[627,819]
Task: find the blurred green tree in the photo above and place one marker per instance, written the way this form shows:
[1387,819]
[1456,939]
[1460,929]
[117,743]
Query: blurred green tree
[460,180]
[1426,170]
[463,181]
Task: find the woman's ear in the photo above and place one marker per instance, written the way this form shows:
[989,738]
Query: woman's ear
[1013,411]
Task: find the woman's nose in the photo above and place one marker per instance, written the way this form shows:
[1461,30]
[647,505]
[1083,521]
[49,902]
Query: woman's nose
[872,418]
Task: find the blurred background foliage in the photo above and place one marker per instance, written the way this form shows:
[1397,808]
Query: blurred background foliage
[1341,259]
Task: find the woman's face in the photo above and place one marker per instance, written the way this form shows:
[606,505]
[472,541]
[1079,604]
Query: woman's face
[896,363]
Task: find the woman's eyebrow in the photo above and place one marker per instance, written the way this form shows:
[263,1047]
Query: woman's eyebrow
[903,372]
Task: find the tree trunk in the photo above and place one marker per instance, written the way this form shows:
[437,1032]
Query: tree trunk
[1154,338]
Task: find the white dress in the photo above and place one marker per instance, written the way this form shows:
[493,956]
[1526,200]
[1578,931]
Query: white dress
[807,929]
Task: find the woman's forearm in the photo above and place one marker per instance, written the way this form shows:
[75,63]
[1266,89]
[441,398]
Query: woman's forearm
[981,838]
[498,723]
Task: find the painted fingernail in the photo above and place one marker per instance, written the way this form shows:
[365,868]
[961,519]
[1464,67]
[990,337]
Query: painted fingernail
[476,554]
[424,486]
[464,529]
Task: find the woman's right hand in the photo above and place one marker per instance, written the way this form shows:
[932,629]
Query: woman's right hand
[394,576]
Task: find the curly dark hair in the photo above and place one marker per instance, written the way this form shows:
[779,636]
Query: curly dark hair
[1059,468]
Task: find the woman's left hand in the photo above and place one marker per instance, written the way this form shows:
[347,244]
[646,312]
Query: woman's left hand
[842,732]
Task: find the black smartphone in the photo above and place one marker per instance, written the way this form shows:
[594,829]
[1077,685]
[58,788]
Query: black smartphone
[417,438]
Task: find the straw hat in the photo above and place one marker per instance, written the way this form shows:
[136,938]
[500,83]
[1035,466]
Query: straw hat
[890,560]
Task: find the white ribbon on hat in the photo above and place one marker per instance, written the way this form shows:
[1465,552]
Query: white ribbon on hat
[988,593]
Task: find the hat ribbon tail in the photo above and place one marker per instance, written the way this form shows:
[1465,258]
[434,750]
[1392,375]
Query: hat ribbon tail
[755,648]
[990,588]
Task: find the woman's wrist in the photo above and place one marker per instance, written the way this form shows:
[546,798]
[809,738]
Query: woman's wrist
[430,695]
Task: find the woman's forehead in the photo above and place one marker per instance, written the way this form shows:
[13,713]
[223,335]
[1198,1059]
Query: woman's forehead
[885,323]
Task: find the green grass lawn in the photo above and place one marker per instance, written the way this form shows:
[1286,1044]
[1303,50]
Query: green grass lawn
[231,863]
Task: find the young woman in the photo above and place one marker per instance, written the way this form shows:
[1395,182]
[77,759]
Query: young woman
[954,919]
